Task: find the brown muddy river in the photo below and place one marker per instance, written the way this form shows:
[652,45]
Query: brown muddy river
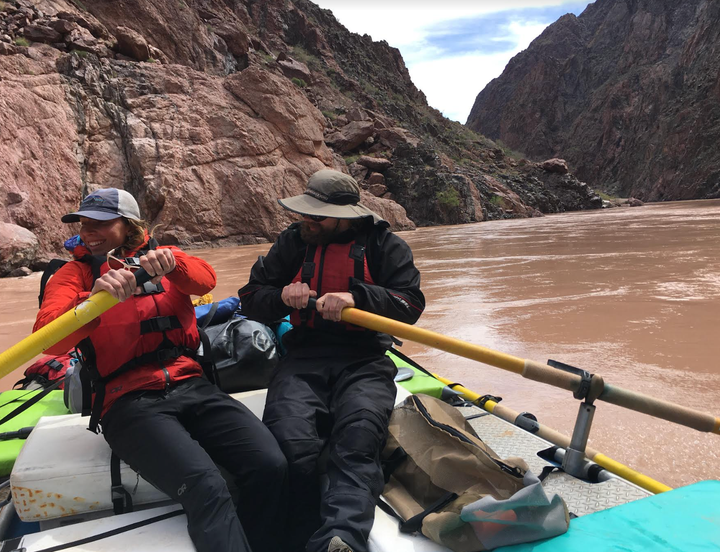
[632,294]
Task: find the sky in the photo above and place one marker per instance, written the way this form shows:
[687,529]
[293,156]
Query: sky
[453,48]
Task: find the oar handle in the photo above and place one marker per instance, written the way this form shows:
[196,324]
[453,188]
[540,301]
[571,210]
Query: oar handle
[312,303]
[141,276]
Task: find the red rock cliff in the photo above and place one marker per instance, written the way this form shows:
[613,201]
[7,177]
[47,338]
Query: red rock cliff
[209,110]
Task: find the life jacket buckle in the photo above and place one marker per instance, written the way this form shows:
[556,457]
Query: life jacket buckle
[357,252]
[164,355]
[156,324]
[308,271]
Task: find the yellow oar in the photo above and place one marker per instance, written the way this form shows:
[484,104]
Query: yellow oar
[563,441]
[536,371]
[60,328]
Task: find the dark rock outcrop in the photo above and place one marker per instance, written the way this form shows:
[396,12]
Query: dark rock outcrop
[628,93]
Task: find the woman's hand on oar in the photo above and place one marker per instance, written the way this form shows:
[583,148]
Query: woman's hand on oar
[120,284]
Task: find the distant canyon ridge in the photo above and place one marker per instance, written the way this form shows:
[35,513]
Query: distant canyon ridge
[209,110]
[628,93]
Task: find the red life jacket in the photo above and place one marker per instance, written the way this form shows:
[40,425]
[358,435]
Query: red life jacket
[146,342]
[328,269]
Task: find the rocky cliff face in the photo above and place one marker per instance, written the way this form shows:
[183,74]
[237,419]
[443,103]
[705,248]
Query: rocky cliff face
[628,93]
[209,110]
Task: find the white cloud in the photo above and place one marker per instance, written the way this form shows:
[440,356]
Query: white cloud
[450,81]
[451,84]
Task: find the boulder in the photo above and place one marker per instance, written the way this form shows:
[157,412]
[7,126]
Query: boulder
[41,33]
[634,202]
[132,44]
[350,136]
[394,136]
[81,39]
[378,190]
[374,163]
[376,178]
[237,41]
[18,247]
[158,54]
[357,114]
[63,26]
[7,49]
[357,171]
[20,272]
[388,210]
[293,68]
[555,165]
[87,21]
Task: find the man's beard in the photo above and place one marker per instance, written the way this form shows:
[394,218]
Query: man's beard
[315,234]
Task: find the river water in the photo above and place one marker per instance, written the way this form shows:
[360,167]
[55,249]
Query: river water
[632,294]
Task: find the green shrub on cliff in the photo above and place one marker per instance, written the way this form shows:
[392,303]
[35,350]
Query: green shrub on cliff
[22,41]
[498,201]
[449,199]
[299,82]
[509,152]
[301,54]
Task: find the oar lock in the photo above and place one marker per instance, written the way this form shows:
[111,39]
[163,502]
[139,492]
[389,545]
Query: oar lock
[591,385]
[590,388]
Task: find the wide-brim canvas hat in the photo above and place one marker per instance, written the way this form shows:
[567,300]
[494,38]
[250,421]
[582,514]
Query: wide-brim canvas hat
[106,204]
[330,194]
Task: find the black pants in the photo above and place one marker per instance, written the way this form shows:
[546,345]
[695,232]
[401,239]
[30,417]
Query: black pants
[174,440]
[343,401]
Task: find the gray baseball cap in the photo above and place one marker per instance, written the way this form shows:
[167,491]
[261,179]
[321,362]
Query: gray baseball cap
[106,204]
[330,194]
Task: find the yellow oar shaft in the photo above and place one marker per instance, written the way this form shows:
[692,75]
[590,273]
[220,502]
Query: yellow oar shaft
[432,339]
[55,331]
[534,370]
[563,441]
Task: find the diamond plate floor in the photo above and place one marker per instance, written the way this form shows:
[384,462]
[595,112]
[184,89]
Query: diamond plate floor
[581,497]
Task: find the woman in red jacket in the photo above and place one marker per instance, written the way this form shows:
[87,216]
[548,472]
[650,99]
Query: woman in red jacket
[156,410]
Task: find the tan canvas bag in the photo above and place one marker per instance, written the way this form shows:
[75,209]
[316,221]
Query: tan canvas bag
[447,483]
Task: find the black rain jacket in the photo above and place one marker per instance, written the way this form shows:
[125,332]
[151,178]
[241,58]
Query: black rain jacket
[395,294]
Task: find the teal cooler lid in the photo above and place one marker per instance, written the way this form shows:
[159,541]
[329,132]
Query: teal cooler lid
[682,520]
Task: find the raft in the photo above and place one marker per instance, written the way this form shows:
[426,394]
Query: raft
[62,476]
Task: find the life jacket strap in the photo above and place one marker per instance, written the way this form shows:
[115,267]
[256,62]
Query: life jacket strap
[99,383]
[357,254]
[121,498]
[160,324]
[306,276]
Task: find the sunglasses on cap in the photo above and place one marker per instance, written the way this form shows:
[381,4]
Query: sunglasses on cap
[128,263]
[315,218]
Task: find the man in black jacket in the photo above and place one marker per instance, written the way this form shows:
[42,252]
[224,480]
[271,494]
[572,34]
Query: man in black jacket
[335,385]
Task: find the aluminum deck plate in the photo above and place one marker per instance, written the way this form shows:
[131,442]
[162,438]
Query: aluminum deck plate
[581,497]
